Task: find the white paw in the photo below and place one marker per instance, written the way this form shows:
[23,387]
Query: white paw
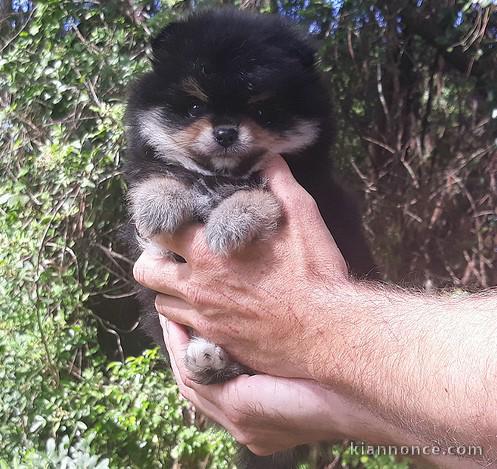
[203,356]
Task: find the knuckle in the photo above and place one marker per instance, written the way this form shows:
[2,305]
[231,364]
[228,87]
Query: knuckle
[300,200]
[308,202]
[194,294]
[199,250]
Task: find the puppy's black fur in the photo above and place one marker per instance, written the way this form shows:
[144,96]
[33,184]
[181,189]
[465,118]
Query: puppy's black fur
[227,89]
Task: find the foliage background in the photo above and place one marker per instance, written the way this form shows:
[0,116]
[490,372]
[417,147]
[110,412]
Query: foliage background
[414,86]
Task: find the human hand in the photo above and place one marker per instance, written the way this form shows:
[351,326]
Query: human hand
[285,306]
[270,414]
[264,304]
[265,413]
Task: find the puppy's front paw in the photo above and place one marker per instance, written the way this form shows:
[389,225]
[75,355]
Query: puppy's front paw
[160,204]
[208,363]
[241,218]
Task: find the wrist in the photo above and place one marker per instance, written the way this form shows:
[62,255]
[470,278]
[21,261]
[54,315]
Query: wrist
[394,351]
[343,417]
[332,319]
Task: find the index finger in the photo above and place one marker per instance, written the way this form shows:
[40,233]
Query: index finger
[161,274]
[189,242]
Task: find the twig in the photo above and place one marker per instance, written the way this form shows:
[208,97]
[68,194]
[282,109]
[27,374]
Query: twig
[483,271]
[429,102]
[73,366]
[379,85]
[113,332]
[13,38]
[84,41]
[93,93]
[380,144]
[115,254]
[370,186]
[409,169]
[349,45]
[116,297]
[413,216]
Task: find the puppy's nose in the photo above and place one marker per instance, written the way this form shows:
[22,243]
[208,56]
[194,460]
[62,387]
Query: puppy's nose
[225,135]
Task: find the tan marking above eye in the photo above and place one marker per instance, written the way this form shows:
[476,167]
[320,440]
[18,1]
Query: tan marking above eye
[191,87]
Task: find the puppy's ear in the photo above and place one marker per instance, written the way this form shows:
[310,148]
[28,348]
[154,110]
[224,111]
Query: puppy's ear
[166,41]
[298,47]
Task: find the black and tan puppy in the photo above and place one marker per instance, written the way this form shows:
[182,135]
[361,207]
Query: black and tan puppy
[228,89]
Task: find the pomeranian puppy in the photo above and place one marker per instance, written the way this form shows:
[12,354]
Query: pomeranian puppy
[226,90]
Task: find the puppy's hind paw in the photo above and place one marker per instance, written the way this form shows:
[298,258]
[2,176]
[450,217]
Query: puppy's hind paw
[241,218]
[208,363]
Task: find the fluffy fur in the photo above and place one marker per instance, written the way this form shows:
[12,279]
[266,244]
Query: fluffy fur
[227,89]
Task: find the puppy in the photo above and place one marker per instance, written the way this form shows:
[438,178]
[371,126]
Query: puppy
[227,89]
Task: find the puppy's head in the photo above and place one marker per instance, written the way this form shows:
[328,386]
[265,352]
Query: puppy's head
[227,88]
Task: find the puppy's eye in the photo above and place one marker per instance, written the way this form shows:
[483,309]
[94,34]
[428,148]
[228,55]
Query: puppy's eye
[197,109]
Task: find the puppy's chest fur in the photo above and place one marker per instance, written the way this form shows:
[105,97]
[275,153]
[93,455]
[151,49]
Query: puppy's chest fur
[210,190]
[235,210]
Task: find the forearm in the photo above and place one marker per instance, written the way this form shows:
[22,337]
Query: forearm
[427,365]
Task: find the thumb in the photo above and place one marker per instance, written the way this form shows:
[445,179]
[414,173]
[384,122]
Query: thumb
[279,175]
[297,202]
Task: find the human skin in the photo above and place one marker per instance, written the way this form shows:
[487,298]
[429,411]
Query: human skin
[424,365]
[269,414]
